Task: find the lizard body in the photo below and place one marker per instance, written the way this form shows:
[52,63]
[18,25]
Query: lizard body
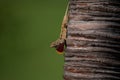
[59,43]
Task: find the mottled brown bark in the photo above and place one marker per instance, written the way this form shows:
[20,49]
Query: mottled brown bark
[93,40]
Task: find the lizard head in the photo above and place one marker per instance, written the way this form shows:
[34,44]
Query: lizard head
[59,45]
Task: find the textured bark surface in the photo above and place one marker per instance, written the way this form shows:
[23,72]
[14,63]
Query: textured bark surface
[93,40]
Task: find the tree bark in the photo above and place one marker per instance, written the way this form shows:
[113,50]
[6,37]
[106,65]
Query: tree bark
[93,40]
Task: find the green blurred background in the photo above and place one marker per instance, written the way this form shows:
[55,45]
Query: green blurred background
[27,27]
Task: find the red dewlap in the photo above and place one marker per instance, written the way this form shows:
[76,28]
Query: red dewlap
[60,48]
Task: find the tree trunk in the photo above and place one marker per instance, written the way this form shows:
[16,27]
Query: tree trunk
[93,40]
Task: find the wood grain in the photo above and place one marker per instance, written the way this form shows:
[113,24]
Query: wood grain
[93,40]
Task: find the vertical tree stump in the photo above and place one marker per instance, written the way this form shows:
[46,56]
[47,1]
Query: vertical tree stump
[93,40]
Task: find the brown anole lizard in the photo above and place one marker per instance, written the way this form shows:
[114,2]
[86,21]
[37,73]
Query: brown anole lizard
[60,42]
